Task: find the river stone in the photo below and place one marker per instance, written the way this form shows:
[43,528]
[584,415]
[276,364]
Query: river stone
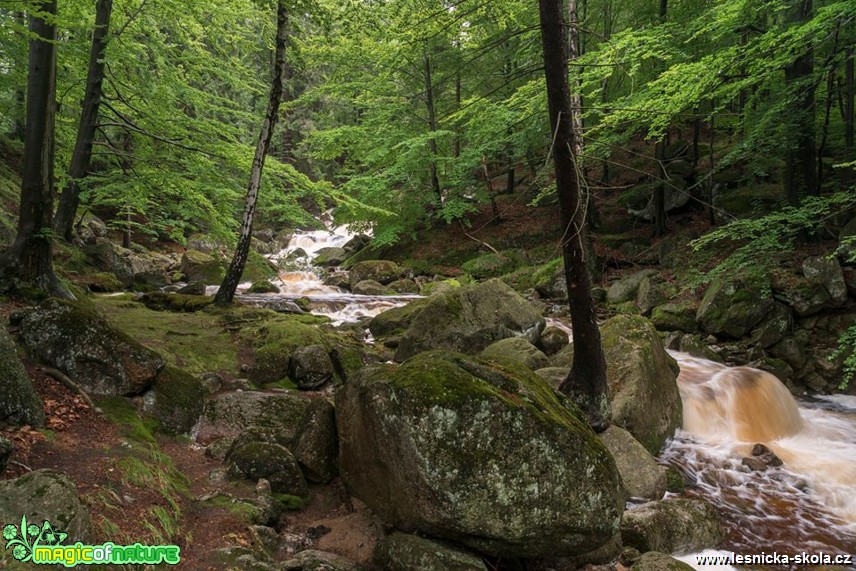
[403,552]
[382,271]
[314,560]
[45,495]
[6,449]
[791,351]
[273,462]
[326,257]
[310,367]
[552,340]
[516,350]
[553,285]
[338,278]
[675,317]
[369,287]
[773,328]
[675,525]
[19,403]
[404,286]
[82,344]
[176,400]
[479,453]
[394,321]
[827,272]
[804,296]
[317,444]
[228,414]
[653,291]
[627,287]
[640,473]
[642,381]
[469,319]
[202,267]
[732,307]
[654,561]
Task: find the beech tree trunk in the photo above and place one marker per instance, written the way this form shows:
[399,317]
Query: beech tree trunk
[586,383]
[850,91]
[226,293]
[82,155]
[29,262]
[432,127]
[660,155]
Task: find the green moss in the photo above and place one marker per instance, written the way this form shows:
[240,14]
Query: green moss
[257,268]
[494,264]
[122,413]
[263,286]
[293,503]
[160,301]
[284,383]
[675,482]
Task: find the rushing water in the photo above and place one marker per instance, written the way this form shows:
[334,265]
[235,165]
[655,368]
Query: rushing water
[808,504]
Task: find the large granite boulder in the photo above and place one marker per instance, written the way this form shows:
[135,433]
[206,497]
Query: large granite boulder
[273,462]
[228,414]
[82,344]
[19,403]
[827,272]
[402,552]
[517,350]
[675,525]
[640,473]
[483,454]
[381,271]
[655,561]
[316,446]
[201,267]
[627,288]
[176,400]
[469,319]
[642,381]
[732,307]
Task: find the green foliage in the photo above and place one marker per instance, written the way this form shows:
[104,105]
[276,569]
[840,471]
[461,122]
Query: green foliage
[847,349]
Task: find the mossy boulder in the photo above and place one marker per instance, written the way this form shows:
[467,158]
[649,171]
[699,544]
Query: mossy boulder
[675,525]
[44,495]
[479,453]
[273,462]
[554,376]
[778,324]
[653,291]
[176,401]
[439,287]
[326,257]
[655,561]
[274,343]
[229,413]
[180,302]
[201,267]
[494,264]
[469,319]
[642,381]
[257,268]
[108,257]
[516,350]
[804,297]
[79,342]
[381,271]
[263,286]
[404,286]
[396,320]
[317,444]
[150,270]
[827,272]
[732,307]
[314,560]
[641,475]
[553,340]
[370,287]
[403,552]
[310,367]
[627,288]
[19,403]
[675,317]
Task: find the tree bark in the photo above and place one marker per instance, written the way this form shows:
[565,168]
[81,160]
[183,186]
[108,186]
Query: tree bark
[226,293]
[82,155]
[29,261]
[800,171]
[850,91]
[432,127]
[660,155]
[20,97]
[586,383]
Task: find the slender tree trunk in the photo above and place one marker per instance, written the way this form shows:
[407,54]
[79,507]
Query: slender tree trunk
[20,97]
[586,383]
[226,293]
[800,171]
[29,262]
[458,106]
[824,130]
[82,155]
[660,155]
[711,214]
[850,92]
[432,127]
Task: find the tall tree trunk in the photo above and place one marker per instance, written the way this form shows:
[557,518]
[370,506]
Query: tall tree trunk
[29,261]
[20,97]
[586,383]
[660,155]
[226,293]
[458,106]
[849,93]
[432,127]
[800,171]
[82,155]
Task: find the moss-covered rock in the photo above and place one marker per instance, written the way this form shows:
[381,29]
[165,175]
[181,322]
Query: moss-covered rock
[396,320]
[480,453]
[554,376]
[552,340]
[381,271]
[228,414]
[469,319]
[176,401]
[44,495]
[326,257]
[310,367]
[653,291]
[257,268]
[654,561]
[494,265]
[640,473]
[642,381]
[675,525]
[732,307]
[403,552]
[773,328]
[803,296]
[19,403]
[263,286]
[273,462]
[675,317]
[102,359]
[370,287]
[439,287]
[516,350]
[160,301]
[627,288]
[404,286]
[202,267]
[317,444]
[314,560]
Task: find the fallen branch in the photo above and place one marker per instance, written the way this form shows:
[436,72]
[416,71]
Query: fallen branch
[18,464]
[63,378]
[483,243]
